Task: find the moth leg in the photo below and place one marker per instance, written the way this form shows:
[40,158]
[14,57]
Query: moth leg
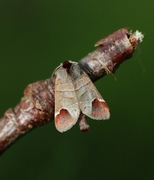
[84,127]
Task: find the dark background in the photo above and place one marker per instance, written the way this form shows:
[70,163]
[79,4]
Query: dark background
[35,37]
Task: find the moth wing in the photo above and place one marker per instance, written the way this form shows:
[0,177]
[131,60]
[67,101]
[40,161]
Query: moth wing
[90,101]
[66,104]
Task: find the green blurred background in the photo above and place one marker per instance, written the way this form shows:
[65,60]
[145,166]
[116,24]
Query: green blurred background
[35,37]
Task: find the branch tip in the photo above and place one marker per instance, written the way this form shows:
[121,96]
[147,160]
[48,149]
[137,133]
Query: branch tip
[139,36]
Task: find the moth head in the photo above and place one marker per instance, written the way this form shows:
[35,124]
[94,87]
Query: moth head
[73,69]
[67,65]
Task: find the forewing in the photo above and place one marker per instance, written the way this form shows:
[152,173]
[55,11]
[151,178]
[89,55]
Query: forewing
[90,101]
[66,104]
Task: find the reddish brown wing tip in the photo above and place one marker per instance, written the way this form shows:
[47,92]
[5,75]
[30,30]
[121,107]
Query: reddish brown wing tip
[100,110]
[64,121]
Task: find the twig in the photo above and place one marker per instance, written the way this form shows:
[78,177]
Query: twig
[37,106]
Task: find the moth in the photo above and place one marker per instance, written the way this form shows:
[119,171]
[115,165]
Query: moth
[76,96]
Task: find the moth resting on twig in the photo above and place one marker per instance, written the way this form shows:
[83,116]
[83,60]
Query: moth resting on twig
[76,96]
[36,108]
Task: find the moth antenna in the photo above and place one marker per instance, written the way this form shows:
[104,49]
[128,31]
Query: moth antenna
[106,69]
[53,74]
